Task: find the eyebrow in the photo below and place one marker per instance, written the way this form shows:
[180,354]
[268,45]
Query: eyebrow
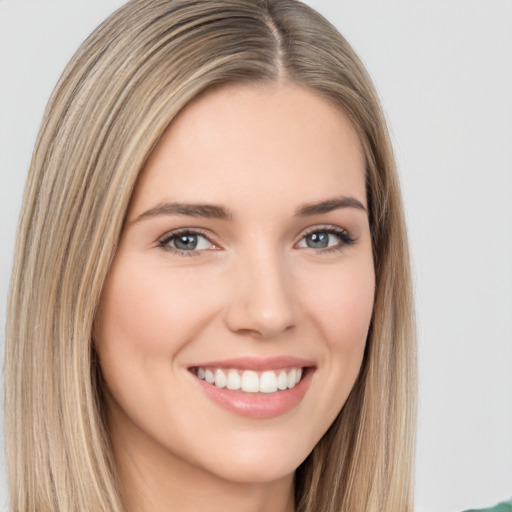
[212,211]
[207,211]
[329,206]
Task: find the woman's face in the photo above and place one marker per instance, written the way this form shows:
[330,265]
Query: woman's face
[245,264]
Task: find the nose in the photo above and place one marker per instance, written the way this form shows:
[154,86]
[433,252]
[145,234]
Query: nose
[261,302]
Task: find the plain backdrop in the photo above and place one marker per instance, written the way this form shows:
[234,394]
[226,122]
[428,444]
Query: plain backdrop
[443,70]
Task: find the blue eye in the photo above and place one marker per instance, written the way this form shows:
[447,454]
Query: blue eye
[186,241]
[326,239]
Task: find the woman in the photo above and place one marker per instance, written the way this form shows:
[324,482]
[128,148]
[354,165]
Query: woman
[211,300]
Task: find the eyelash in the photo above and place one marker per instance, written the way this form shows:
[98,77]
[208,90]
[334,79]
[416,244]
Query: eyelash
[345,240]
[164,242]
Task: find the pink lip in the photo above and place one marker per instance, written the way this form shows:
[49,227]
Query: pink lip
[258,364]
[258,405]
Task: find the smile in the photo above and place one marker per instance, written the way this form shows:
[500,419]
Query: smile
[255,388]
[250,381]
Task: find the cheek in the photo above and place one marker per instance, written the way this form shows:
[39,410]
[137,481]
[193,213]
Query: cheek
[147,315]
[342,306]
[340,311]
[129,317]
[149,312]
[350,320]
[143,321]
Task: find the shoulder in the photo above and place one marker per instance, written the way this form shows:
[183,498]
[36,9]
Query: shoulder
[505,506]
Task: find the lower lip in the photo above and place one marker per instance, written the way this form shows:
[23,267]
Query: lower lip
[258,405]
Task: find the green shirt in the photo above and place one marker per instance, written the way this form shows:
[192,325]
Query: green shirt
[506,506]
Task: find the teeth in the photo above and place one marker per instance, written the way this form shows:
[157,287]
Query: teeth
[250,381]
[234,380]
[220,379]
[209,377]
[268,382]
[291,378]
[282,380]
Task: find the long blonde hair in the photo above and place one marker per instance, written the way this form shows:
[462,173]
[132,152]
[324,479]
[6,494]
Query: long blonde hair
[114,101]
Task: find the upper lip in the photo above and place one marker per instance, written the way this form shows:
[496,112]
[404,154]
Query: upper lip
[257,363]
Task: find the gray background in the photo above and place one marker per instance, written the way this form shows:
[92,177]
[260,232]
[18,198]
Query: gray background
[443,69]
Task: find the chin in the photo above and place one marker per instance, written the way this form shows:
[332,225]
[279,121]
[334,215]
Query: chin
[249,472]
[260,462]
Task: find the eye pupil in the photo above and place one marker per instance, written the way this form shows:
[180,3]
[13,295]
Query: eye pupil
[186,242]
[317,240]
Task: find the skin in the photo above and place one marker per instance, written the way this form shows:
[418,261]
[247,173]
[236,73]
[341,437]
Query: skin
[252,288]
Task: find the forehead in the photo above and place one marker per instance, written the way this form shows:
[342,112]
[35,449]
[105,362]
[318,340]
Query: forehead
[240,142]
